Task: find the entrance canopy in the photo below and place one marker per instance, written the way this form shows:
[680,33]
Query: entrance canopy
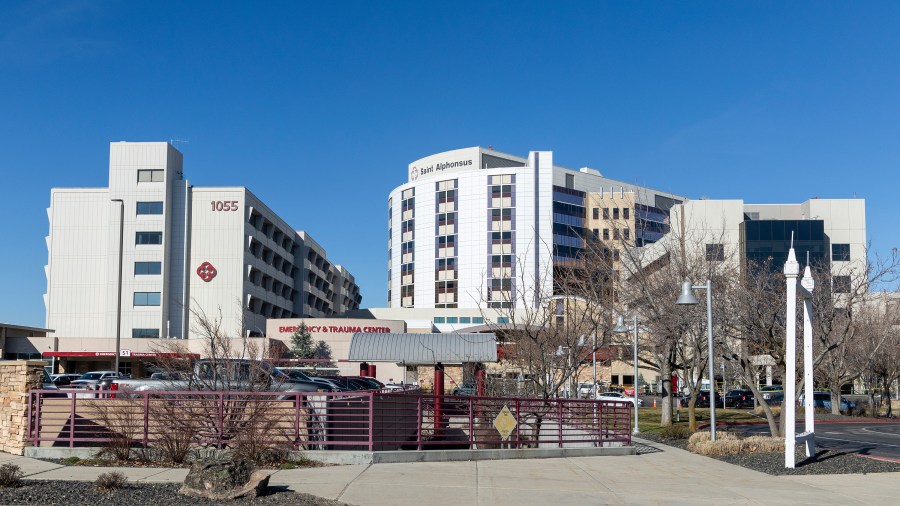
[423,349]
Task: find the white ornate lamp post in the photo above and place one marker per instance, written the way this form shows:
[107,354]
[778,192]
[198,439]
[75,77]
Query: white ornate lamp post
[791,272]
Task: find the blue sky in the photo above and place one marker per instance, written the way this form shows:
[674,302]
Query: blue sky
[319,107]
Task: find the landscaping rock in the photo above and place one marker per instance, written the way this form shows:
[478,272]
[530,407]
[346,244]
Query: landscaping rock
[225,479]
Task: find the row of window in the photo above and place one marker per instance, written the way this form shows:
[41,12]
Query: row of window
[625,234]
[626,213]
[462,319]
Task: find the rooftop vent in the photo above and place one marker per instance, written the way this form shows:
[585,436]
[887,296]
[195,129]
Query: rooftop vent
[588,170]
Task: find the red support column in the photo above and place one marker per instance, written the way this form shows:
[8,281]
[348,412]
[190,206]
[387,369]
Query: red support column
[480,380]
[479,387]
[364,369]
[372,370]
[438,399]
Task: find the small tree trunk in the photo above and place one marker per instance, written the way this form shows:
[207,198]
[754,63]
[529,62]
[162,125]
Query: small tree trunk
[835,398]
[692,413]
[665,371]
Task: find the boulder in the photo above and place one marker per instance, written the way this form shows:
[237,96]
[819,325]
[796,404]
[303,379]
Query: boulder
[225,479]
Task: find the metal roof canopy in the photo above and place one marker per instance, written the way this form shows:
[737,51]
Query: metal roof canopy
[423,349]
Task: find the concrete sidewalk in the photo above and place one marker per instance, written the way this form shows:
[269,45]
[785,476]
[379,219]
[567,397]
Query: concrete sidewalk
[658,475]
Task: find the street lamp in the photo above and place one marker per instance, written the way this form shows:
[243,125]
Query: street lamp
[621,328]
[687,298]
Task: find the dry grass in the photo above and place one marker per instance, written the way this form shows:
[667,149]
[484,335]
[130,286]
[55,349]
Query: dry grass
[110,481]
[10,475]
[730,444]
[776,410]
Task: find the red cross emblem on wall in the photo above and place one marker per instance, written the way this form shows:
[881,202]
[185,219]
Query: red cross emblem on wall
[206,271]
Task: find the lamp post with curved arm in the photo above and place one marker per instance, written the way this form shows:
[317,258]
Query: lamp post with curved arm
[686,299]
[621,328]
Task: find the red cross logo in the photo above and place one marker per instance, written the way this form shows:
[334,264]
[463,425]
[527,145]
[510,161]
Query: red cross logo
[206,271]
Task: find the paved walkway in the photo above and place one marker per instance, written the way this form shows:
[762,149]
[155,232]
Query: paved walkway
[672,476]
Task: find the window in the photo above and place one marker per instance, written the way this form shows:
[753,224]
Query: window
[616,234]
[149,207]
[501,320]
[840,252]
[615,213]
[626,233]
[144,333]
[148,238]
[715,252]
[146,298]
[452,319]
[150,176]
[596,213]
[605,234]
[625,213]
[478,319]
[596,233]
[465,319]
[840,284]
[144,268]
[438,319]
[570,180]
[605,213]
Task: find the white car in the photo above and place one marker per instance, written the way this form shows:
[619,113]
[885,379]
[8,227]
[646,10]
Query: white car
[616,396]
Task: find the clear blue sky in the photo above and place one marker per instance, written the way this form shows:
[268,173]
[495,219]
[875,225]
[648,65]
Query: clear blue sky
[317,108]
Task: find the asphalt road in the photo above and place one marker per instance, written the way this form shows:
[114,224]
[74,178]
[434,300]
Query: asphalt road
[866,438]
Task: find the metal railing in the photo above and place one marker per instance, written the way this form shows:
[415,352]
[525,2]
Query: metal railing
[369,420]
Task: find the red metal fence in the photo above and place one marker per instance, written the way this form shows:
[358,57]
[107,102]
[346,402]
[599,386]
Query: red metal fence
[323,421]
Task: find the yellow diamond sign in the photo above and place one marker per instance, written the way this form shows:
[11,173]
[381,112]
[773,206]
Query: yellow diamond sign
[505,423]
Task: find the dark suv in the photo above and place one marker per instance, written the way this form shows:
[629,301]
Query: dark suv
[703,399]
[739,398]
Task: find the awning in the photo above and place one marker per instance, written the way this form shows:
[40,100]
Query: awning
[122,353]
[423,349]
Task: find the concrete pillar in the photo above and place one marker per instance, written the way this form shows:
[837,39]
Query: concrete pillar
[438,399]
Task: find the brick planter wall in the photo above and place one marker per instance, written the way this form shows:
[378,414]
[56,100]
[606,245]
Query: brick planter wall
[17,377]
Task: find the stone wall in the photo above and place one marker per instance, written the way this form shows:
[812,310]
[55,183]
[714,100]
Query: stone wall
[17,377]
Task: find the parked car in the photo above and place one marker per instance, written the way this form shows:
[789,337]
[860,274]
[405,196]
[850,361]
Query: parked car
[62,380]
[775,399]
[822,400]
[466,389]
[92,380]
[585,389]
[703,399]
[768,390]
[618,396]
[739,398]
[237,373]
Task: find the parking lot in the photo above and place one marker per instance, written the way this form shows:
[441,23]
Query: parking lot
[866,438]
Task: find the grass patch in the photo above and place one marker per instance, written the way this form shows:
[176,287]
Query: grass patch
[649,419]
[71,461]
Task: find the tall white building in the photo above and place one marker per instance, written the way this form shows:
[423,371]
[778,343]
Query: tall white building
[474,227]
[136,258]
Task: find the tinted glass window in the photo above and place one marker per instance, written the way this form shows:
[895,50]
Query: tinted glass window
[148,238]
[840,252]
[144,333]
[145,268]
[146,298]
[149,208]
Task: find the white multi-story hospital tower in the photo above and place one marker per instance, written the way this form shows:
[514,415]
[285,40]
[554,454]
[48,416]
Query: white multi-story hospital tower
[135,259]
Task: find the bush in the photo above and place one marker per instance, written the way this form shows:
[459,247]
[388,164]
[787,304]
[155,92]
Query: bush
[675,432]
[10,475]
[110,481]
[71,461]
[728,443]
